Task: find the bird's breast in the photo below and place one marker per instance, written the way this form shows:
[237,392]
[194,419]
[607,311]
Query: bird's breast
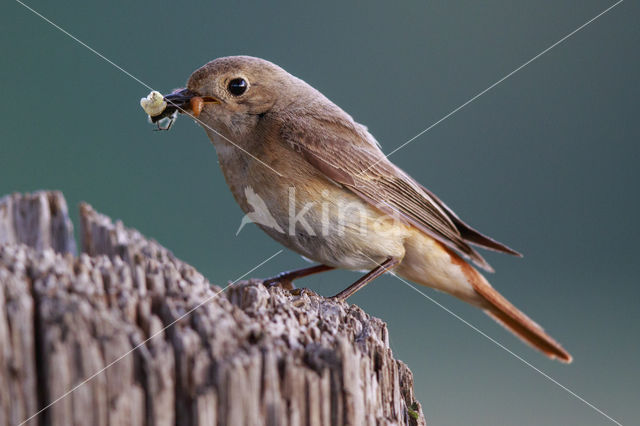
[310,214]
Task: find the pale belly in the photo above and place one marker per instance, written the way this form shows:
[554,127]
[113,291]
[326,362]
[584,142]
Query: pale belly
[311,215]
[336,228]
[327,223]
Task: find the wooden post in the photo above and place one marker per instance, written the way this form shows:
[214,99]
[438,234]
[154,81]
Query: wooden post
[110,325]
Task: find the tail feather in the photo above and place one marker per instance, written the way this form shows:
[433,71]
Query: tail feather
[506,314]
[433,264]
[539,340]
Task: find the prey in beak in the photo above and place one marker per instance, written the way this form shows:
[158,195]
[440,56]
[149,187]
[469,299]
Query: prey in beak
[160,108]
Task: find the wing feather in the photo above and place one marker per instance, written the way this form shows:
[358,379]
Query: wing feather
[347,154]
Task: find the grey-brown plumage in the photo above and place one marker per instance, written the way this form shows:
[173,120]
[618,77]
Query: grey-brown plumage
[274,133]
[364,169]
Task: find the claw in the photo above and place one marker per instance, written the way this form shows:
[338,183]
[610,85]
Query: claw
[284,283]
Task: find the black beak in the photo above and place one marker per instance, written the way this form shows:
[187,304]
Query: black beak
[179,100]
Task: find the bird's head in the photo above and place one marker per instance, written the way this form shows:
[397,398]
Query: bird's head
[232,94]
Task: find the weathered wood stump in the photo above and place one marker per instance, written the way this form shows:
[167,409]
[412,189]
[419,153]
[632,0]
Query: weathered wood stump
[102,338]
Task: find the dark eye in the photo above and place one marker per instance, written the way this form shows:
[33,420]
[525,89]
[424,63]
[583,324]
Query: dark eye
[237,86]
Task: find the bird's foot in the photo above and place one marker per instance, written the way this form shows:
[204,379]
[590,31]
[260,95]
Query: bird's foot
[279,280]
[289,287]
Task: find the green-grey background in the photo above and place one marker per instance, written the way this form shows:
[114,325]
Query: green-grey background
[547,162]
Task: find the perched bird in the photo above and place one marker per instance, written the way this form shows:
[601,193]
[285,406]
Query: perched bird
[336,199]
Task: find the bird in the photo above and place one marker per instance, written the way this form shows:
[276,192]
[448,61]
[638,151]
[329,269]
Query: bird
[335,197]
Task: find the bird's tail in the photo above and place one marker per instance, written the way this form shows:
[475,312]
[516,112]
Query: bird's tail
[432,264]
[514,320]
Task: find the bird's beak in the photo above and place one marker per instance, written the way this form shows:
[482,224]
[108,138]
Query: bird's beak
[184,100]
[180,99]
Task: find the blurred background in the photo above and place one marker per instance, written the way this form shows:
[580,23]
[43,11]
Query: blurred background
[546,162]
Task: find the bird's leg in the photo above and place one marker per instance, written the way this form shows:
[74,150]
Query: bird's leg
[286,278]
[385,266]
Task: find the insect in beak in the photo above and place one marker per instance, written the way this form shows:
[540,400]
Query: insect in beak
[198,102]
[168,119]
[184,100]
[181,100]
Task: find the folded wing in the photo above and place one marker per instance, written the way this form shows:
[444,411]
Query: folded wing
[347,154]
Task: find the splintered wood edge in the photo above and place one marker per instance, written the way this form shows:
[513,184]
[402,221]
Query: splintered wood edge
[250,353]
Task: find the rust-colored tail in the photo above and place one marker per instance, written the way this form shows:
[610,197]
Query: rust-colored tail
[521,325]
[514,320]
[503,311]
[431,263]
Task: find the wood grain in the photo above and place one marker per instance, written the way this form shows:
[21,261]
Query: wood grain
[248,356]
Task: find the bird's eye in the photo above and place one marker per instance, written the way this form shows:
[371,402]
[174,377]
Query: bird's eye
[237,86]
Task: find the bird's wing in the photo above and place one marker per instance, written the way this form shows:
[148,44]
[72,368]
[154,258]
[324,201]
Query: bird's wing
[469,234]
[347,154]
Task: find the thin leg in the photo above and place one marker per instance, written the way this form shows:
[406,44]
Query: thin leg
[385,266]
[286,278]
